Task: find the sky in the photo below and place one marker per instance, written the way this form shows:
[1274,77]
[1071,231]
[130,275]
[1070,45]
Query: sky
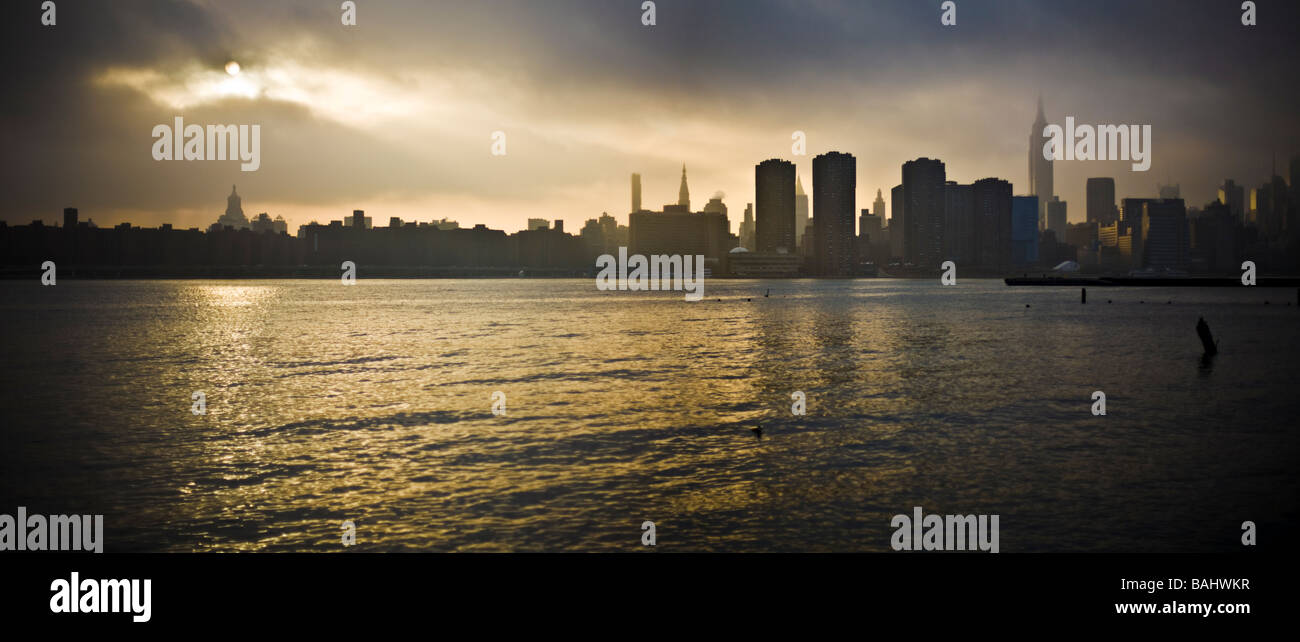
[395,115]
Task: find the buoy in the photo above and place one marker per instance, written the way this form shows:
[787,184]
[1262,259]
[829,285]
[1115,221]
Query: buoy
[757,430]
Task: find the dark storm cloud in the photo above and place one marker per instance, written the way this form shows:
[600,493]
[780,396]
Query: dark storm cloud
[883,80]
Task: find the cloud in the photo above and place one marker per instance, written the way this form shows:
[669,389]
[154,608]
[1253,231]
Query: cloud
[397,112]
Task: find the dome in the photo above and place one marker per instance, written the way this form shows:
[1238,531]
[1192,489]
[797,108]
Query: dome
[737,250]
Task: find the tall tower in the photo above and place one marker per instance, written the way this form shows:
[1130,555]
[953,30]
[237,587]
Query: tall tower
[234,216]
[878,207]
[800,210]
[233,204]
[774,206]
[683,194]
[636,192]
[925,201]
[834,186]
[1040,169]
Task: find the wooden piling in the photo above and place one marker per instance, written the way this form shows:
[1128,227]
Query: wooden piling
[1207,339]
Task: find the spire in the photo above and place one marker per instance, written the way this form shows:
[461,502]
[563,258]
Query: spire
[1041,118]
[798,186]
[877,192]
[232,190]
[684,195]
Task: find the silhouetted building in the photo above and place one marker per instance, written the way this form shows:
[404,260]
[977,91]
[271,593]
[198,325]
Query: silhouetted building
[1269,205]
[747,232]
[1164,233]
[959,223]
[1234,196]
[873,245]
[234,216]
[679,232]
[1040,168]
[835,182]
[1083,236]
[684,194]
[924,189]
[1130,224]
[1101,201]
[800,211]
[992,198]
[774,206]
[715,206]
[636,192]
[265,224]
[1213,240]
[1056,217]
[1115,247]
[538,224]
[896,224]
[1024,230]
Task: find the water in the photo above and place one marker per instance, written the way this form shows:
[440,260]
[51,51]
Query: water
[373,404]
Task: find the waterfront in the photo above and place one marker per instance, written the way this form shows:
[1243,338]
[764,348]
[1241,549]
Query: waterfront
[373,404]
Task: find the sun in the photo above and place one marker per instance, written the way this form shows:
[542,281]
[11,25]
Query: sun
[232,68]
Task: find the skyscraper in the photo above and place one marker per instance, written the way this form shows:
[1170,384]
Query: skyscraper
[878,207]
[234,216]
[1130,223]
[1164,234]
[774,206]
[1056,218]
[715,205]
[1024,230]
[835,182]
[747,228]
[959,223]
[1040,168]
[1269,203]
[896,217]
[1101,201]
[924,192]
[683,194]
[1295,176]
[870,237]
[992,197]
[636,192]
[800,211]
[1234,196]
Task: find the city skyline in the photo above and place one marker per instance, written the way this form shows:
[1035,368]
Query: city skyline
[371,130]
